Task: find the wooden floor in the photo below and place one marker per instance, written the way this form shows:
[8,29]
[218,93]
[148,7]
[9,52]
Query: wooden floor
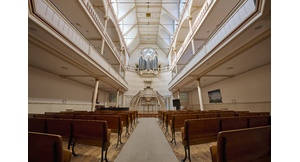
[199,153]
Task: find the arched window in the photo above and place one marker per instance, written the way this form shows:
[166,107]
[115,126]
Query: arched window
[148,60]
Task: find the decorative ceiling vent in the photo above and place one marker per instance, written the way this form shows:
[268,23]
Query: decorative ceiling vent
[148,14]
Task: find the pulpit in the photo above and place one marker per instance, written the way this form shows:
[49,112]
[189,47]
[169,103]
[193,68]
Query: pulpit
[148,105]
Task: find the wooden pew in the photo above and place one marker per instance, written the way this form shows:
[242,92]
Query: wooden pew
[231,123]
[199,131]
[160,115]
[65,116]
[208,115]
[85,117]
[37,125]
[226,113]
[47,148]
[62,127]
[94,133]
[124,116]
[256,121]
[168,117]
[114,123]
[177,122]
[250,144]
[45,116]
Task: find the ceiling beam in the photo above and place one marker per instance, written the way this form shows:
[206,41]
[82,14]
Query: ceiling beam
[126,14]
[174,18]
[129,30]
[167,30]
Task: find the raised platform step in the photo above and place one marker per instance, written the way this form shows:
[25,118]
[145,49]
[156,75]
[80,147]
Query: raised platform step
[147,115]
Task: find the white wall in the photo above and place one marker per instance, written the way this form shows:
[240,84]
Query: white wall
[46,93]
[251,91]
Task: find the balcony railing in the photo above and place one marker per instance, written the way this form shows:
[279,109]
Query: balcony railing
[94,16]
[66,29]
[240,15]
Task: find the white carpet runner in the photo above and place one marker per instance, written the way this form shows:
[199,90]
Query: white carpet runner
[147,143]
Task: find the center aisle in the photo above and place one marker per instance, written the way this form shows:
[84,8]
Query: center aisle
[147,143]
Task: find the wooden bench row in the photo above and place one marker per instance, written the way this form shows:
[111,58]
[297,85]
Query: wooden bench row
[166,116]
[47,148]
[250,144]
[115,122]
[221,113]
[199,131]
[89,132]
[226,123]
[125,118]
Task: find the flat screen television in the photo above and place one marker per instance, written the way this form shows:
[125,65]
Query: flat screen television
[176,103]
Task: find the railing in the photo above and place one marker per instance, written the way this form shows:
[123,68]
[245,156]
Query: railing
[240,15]
[95,17]
[204,10]
[61,24]
[135,69]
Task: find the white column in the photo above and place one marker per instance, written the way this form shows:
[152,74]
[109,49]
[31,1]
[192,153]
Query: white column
[192,41]
[123,99]
[199,95]
[105,24]
[117,102]
[95,95]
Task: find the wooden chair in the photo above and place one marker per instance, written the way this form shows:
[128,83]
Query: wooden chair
[47,148]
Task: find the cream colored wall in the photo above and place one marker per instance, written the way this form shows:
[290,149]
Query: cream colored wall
[251,91]
[46,93]
[136,83]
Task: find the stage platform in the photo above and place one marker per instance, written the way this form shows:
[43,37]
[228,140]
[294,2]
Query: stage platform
[147,115]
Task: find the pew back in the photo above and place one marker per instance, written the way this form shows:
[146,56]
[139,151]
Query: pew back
[44,147]
[198,131]
[60,126]
[234,123]
[250,144]
[37,125]
[94,133]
